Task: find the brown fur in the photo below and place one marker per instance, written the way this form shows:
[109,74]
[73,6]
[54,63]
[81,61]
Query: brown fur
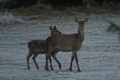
[66,43]
[39,47]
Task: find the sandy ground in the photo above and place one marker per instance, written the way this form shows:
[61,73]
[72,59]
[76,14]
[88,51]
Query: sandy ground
[99,57]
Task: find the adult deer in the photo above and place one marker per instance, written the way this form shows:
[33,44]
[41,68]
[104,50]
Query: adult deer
[39,47]
[66,43]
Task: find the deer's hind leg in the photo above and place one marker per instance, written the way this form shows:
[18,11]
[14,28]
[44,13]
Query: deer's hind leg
[28,57]
[34,59]
[54,56]
[48,53]
[50,62]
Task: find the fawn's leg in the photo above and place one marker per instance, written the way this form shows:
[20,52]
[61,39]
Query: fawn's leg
[34,60]
[28,57]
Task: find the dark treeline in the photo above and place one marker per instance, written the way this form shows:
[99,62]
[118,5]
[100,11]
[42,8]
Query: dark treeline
[26,3]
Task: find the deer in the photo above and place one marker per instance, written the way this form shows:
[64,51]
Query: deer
[36,47]
[66,43]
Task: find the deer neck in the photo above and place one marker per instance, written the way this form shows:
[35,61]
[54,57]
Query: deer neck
[81,35]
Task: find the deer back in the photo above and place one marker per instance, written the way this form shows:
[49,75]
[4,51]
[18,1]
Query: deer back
[64,42]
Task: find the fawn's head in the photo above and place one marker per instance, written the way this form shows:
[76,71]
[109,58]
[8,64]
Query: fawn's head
[54,30]
[81,24]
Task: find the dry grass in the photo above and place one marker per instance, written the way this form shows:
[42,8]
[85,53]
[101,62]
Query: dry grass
[8,18]
[47,9]
[35,9]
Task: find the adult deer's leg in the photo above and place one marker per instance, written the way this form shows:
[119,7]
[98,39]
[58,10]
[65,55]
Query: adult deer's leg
[75,55]
[54,56]
[50,62]
[28,57]
[46,65]
[72,58]
[34,60]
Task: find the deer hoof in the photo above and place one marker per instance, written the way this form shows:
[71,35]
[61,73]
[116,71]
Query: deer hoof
[52,69]
[28,68]
[79,70]
[47,69]
[37,68]
[59,66]
[70,69]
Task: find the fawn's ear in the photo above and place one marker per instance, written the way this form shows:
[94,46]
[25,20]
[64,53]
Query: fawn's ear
[76,20]
[86,20]
[51,28]
[54,27]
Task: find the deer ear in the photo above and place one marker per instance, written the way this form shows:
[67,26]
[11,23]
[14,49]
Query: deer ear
[50,28]
[86,20]
[54,27]
[76,20]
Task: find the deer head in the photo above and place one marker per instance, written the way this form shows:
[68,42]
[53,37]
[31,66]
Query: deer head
[81,23]
[54,30]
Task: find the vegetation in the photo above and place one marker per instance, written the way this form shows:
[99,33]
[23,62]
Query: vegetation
[30,7]
[19,3]
[113,27]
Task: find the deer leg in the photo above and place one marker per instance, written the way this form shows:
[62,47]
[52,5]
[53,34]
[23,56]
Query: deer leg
[28,57]
[54,56]
[46,65]
[50,62]
[34,60]
[75,54]
[72,58]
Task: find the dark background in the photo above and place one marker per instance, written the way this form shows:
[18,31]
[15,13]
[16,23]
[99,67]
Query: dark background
[20,3]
